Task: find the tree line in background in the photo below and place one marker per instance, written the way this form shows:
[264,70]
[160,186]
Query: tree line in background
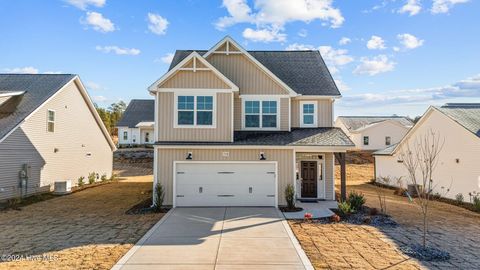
[111,115]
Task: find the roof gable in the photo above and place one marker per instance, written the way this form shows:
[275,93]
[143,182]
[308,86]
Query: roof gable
[137,111]
[465,114]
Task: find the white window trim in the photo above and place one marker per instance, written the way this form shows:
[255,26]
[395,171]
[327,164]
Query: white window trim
[195,94]
[315,122]
[125,138]
[260,99]
[49,121]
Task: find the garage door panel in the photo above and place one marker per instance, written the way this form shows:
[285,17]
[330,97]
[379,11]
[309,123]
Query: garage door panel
[225,184]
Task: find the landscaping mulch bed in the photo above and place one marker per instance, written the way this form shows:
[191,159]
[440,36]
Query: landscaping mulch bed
[426,253]
[289,210]
[145,207]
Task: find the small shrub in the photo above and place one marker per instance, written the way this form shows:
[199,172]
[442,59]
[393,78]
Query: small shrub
[476,203]
[104,178]
[81,181]
[13,203]
[356,200]
[459,198]
[345,208]
[159,197]
[290,196]
[91,178]
[113,177]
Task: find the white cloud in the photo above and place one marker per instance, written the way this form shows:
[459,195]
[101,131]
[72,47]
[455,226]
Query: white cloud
[376,43]
[303,33]
[334,58]
[373,66]
[98,22]
[99,98]
[118,50]
[274,14]
[22,70]
[264,35]
[410,41]
[83,4]
[157,24]
[443,6]
[342,86]
[344,41]
[93,86]
[467,88]
[412,7]
[167,59]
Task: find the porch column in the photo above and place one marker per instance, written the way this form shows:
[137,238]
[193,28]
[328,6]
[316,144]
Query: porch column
[343,176]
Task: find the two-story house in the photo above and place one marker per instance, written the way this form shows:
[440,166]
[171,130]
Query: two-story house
[135,128]
[235,127]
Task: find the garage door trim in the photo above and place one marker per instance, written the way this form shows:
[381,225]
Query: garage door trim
[174,190]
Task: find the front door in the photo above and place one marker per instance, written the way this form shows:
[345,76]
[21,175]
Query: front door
[309,179]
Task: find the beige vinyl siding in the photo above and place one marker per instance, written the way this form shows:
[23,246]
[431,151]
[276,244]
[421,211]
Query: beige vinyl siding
[199,79]
[329,176]
[324,112]
[284,157]
[284,112]
[246,75]
[221,133]
[76,134]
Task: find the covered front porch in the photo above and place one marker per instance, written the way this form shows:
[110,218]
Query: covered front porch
[315,176]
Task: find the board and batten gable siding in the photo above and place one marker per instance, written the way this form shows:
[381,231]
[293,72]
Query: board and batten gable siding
[166,157]
[249,78]
[200,79]
[324,112]
[221,133]
[76,134]
[462,177]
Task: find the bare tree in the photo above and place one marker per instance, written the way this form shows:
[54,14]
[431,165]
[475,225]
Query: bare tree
[420,158]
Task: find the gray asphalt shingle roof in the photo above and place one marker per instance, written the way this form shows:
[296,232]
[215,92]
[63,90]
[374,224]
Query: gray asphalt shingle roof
[356,122]
[37,87]
[303,71]
[138,110]
[466,114]
[297,137]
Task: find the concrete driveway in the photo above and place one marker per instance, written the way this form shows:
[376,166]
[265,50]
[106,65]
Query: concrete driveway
[218,238]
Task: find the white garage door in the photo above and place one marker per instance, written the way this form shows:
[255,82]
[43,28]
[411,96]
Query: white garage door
[225,184]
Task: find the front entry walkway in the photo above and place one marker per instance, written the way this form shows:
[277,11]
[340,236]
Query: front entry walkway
[218,238]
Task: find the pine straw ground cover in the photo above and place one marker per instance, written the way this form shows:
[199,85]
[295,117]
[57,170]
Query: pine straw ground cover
[85,230]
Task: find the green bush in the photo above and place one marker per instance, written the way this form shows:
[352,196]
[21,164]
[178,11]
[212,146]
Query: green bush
[476,202]
[113,177]
[290,196]
[356,200]
[104,178]
[81,181]
[345,208]
[159,197]
[91,177]
[459,198]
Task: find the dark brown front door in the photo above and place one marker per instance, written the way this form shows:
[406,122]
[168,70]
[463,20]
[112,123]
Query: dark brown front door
[309,179]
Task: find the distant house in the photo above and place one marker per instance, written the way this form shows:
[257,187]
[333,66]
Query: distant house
[458,169]
[49,131]
[374,132]
[136,126]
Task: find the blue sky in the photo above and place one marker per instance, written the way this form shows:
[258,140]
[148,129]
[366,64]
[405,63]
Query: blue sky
[397,56]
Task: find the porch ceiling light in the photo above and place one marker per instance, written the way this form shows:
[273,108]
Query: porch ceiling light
[189,156]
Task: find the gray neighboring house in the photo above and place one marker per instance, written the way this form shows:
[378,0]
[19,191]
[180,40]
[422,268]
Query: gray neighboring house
[49,131]
[137,124]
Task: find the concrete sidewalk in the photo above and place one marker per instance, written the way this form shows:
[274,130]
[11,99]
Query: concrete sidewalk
[218,238]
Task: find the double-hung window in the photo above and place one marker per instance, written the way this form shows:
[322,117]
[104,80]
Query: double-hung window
[51,121]
[261,114]
[195,111]
[125,135]
[308,115]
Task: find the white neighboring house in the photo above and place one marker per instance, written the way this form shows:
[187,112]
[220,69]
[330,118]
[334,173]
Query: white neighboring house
[458,169]
[49,131]
[374,132]
[136,126]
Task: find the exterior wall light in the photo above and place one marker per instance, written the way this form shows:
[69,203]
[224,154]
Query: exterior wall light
[189,156]
[457,160]
[262,156]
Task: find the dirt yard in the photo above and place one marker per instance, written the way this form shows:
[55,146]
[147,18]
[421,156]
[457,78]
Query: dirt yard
[85,230]
[451,228]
